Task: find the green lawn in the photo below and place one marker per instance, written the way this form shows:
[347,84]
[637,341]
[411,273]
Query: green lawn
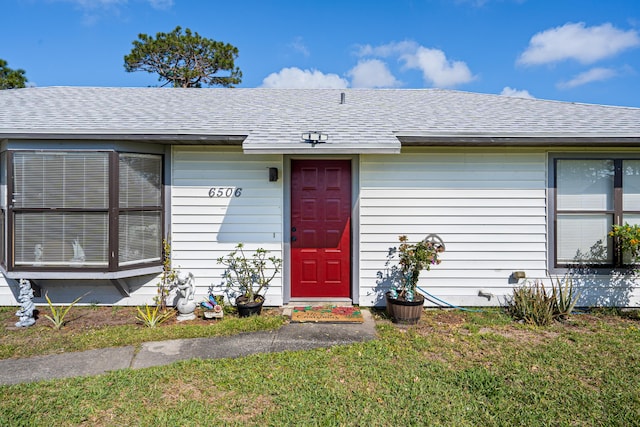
[453,369]
[91,327]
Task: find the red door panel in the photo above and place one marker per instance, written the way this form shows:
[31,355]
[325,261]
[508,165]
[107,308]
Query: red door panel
[320,228]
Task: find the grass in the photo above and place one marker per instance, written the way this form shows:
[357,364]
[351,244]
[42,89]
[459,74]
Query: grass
[453,368]
[42,339]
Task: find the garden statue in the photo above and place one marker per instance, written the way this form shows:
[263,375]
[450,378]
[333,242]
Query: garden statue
[185,305]
[26,305]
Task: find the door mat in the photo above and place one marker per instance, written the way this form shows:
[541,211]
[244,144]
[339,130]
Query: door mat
[328,314]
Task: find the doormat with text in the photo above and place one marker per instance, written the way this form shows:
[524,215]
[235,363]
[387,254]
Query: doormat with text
[328,314]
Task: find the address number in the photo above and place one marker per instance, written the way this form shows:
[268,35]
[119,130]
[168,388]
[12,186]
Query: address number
[225,192]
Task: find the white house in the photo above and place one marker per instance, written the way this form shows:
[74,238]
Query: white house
[92,179]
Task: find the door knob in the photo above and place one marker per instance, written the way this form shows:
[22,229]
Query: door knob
[293,229]
[293,238]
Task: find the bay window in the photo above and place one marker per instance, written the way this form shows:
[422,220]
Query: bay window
[96,210]
[591,195]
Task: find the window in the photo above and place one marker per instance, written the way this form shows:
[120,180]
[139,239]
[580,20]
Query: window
[93,210]
[590,196]
[140,208]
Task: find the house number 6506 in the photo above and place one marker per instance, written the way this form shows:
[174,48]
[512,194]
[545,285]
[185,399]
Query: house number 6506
[225,192]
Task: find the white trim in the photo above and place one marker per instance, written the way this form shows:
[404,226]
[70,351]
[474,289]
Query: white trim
[81,274]
[138,261]
[321,149]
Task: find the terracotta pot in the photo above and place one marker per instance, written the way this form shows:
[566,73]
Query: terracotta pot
[246,309]
[405,312]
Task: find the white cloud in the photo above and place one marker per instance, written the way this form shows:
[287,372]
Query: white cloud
[474,3]
[161,4]
[97,4]
[295,78]
[592,75]
[515,93]
[372,73]
[389,49]
[481,3]
[576,41]
[298,46]
[436,68]
[94,10]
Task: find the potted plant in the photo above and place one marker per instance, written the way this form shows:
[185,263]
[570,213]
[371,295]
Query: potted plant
[250,276]
[404,303]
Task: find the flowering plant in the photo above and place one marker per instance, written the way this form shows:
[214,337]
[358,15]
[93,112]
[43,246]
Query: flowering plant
[628,237]
[413,258]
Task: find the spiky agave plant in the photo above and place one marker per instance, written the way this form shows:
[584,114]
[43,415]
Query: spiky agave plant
[566,297]
[58,314]
[152,317]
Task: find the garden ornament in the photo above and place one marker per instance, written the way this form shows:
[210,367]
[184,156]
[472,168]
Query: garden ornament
[26,305]
[38,252]
[185,305]
[78,252]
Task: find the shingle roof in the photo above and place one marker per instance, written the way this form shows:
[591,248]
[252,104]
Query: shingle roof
[273,120]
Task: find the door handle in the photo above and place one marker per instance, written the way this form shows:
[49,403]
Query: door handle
[293,238]
[293,229]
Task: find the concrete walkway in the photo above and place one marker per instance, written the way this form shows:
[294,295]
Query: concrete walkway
[292,336]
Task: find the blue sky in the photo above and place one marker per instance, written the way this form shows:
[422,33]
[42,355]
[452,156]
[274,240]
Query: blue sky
[568,50]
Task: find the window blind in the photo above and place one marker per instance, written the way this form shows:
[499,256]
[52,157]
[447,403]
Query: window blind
[61,238]
[61,180]
[140,239]
[140,231]
[140,180]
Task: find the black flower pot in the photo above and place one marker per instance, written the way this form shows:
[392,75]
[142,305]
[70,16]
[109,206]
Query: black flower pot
[405,312]
[246,308]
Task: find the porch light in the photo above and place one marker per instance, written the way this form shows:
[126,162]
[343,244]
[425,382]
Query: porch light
[315,137]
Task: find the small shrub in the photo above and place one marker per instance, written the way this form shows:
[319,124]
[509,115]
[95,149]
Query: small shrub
[532,303]
[565,296]
[58,314]
[167,278]
[152,317]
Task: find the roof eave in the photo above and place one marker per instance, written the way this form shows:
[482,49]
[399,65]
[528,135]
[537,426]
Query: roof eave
[517,141]
[321,148]
[164,138]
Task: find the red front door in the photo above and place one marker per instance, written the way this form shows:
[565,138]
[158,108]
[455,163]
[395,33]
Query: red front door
[320,228]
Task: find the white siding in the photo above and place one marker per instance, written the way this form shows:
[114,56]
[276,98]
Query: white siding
[488,207]
[204,228]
